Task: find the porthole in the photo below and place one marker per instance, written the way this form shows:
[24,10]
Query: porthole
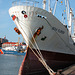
[23,12]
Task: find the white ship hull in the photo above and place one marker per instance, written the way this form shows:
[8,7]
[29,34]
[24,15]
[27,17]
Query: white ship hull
[53,40]
[57,39]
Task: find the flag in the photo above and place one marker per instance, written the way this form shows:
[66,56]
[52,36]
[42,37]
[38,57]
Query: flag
[64,10]
[61,1]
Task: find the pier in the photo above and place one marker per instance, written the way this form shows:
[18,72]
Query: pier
[67,71]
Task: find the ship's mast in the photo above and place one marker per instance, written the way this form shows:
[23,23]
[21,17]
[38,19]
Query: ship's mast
[49,7]
[74,26]
[69,16]
[44,4]
[55,7]
[70,22]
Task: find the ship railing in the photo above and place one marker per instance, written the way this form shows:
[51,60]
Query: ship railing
[26,3]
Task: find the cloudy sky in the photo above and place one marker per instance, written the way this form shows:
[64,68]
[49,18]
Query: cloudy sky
[7,25]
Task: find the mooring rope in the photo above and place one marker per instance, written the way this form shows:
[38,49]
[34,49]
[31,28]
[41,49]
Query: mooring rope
[40,57]
[40,54]
[31,35]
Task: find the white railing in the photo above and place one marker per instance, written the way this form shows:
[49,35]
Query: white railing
[26,3]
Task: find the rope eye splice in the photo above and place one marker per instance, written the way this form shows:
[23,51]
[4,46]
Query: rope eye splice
[24,13]
[13,17]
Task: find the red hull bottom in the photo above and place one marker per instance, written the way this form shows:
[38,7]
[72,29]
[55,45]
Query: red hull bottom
[56,61]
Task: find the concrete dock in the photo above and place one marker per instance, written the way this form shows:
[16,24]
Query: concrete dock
[69,70]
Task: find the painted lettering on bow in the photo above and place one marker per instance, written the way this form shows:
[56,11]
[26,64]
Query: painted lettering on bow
[58,30]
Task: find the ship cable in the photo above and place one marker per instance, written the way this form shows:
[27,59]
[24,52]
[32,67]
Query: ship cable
[32,36]
[41,59]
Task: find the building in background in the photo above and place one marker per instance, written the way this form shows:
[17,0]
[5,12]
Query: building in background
[3,40]
[9,44]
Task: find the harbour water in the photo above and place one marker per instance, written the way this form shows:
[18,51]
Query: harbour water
[10,64]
